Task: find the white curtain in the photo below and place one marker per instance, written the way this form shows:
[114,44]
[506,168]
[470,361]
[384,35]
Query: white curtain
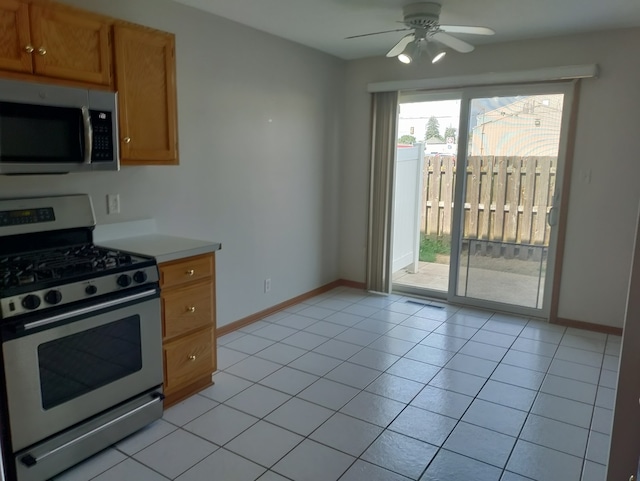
[383,153]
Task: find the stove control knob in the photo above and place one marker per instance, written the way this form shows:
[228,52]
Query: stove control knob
[31,302]
[140,277]
[53,297]
[124,280]
[91,289]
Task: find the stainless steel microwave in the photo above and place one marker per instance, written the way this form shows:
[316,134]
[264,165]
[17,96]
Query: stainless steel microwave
[49,129]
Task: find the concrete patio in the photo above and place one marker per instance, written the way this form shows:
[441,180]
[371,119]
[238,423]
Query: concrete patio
[479,283]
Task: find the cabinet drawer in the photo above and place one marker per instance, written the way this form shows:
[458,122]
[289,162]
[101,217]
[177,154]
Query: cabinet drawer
[188,358]
[185,270]
[187,308]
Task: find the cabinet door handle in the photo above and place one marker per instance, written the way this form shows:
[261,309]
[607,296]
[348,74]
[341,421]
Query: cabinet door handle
[192,357]
[127,140]
[190,272]
[29,49]
[42,51]
[191,309]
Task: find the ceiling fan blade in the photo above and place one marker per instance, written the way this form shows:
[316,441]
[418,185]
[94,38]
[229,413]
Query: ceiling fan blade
[453,42]
[399,47]
[466,29]
[377,33]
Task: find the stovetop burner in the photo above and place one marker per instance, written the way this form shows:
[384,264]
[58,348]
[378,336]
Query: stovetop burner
[60,265]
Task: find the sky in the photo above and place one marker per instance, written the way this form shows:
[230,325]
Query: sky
[417,115]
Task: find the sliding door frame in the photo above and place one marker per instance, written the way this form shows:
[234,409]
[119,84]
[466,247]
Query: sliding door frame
[567,88]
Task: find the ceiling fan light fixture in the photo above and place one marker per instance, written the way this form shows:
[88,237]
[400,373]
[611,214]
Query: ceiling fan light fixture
[404,58]
[422,19]
[409,53]
[439,56]
[435,52]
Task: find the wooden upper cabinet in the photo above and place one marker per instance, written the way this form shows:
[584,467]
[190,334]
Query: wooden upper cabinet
[146,85]
[15,37]
[55,41]
[48,42]
[70,44]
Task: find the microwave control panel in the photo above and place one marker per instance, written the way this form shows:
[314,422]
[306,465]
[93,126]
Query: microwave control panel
[102,136]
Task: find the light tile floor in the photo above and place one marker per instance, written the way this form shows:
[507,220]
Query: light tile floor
[353,387]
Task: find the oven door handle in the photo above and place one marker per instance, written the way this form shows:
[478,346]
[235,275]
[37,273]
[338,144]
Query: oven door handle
[29,460]
[88,310]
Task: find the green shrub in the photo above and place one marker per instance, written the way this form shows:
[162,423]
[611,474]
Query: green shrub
[431,246]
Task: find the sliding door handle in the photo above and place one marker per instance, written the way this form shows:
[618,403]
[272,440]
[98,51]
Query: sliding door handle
[552,216]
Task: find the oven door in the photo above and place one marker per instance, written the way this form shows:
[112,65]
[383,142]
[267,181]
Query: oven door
[62,370]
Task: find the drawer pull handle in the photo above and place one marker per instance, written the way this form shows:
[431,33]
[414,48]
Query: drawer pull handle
[191,309]
[192,357]
[190,272]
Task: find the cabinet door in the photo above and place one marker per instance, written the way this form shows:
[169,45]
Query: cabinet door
[71,44]
[146,84]
[14,36]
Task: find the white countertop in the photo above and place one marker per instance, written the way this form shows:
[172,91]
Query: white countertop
[163,247]
[141,237]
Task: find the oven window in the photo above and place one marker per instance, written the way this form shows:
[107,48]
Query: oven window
[75,365]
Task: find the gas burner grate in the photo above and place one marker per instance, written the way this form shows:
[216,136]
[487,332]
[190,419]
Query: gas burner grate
[58,264]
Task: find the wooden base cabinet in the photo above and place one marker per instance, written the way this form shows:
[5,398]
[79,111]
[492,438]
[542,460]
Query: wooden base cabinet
[188,325]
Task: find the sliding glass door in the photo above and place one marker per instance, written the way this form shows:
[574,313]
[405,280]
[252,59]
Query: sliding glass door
[512,154]
[502,199]
[428,128]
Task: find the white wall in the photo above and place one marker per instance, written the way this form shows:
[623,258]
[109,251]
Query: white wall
[272,197]
[602,214]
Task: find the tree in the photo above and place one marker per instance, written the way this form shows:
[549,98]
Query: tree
[450,132]
[433,129]
[407,139]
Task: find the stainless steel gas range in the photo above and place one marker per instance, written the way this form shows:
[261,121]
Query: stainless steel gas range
[81,338]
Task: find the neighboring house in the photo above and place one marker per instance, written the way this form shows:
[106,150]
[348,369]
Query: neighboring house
[438,146]
[529,126]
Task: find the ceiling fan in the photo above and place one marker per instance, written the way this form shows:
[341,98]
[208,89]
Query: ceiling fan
[423,18]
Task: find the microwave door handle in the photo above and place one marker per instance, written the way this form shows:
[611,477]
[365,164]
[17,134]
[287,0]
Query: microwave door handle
[88,135]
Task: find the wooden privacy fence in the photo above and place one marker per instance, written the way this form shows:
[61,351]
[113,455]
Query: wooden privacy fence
[507,198]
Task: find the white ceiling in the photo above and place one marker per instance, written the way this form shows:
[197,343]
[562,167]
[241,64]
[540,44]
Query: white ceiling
[324,24]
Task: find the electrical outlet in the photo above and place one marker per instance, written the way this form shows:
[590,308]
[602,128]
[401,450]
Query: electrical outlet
[267,285]
[113,203]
